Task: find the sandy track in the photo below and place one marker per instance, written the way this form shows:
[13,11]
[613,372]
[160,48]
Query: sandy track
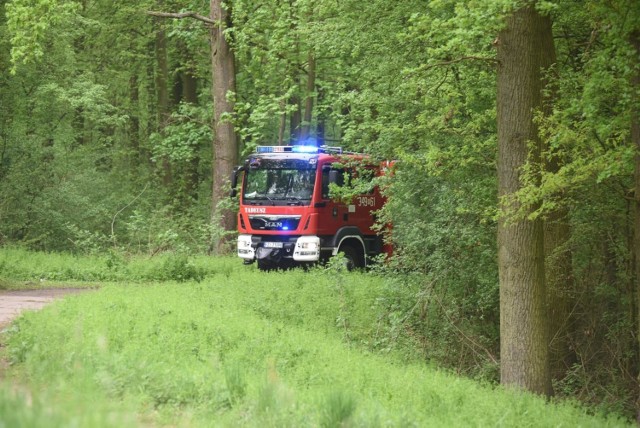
[13,302]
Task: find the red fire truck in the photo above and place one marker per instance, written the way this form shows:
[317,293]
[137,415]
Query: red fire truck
[286,216]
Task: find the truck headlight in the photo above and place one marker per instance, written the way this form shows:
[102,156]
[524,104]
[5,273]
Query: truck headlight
[245,250]
[307,245]
[307,249]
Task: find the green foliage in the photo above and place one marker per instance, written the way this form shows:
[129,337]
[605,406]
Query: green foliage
[247,348]
[189,128]
[179,268]
[31,23]
[78,135]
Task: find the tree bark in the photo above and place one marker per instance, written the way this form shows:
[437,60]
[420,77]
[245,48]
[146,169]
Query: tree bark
[225,145]
[523,316]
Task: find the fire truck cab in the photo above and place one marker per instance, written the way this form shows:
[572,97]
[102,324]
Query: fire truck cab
[286,216]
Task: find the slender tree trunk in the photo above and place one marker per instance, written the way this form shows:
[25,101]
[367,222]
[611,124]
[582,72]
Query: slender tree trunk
[523,316]
[134,130]
[557,232]
[162,94]
[295,119]
[283,124]
[635,138]
[308,105]
[189,95]
[225,146]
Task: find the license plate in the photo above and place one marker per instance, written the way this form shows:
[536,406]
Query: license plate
[273,244]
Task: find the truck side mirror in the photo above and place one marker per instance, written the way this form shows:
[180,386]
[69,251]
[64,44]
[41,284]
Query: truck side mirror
[234,181]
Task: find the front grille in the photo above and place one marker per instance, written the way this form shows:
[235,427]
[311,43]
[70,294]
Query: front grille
[274,222]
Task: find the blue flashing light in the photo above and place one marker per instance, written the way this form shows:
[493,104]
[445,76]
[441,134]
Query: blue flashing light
[309,149]
[285,227]
[305,149]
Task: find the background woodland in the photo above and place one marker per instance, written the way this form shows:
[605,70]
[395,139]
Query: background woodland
[113,128]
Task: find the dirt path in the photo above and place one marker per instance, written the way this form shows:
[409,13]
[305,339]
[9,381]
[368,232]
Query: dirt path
[15,301]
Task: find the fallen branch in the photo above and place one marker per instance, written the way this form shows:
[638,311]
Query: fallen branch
[182,15]
[464,336]
[113,221]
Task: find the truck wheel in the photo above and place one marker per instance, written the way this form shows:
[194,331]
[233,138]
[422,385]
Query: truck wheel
[354,260]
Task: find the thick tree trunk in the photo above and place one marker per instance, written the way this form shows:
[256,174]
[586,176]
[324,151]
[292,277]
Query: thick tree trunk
[523,316]
[225,146]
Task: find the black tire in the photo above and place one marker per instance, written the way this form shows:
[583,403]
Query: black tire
[354,258]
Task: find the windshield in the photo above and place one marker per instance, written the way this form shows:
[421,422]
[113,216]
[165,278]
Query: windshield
[279,185]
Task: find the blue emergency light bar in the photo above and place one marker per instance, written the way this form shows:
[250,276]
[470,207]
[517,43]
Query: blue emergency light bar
[298,149]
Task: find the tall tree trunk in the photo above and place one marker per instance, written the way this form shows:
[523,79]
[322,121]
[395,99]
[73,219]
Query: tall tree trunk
[162,94]
[635,139]
[283,124]
[295,119]
[558,257]
[134,130]
[523,317]
[225,146]
[305,131]
[189,95]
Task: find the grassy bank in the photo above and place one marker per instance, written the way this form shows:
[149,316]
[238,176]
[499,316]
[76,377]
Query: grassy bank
[243,348]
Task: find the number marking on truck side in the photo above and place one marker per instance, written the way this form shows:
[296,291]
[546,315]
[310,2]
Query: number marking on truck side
[366,201]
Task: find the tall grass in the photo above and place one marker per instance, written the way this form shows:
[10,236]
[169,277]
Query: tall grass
[40,269]
[244,348]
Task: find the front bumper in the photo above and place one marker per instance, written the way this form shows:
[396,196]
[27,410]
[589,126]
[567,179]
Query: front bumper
[276,248]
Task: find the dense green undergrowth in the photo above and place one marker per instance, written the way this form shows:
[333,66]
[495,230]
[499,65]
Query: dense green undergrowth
[239,348]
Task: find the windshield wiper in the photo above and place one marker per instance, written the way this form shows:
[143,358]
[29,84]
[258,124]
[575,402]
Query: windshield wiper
[298,200]
[255,199]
